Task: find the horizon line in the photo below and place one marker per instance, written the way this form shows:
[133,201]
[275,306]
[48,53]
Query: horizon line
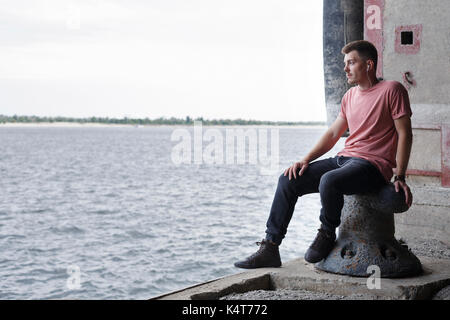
[126,119]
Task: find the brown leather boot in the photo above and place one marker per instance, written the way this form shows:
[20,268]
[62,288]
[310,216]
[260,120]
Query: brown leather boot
[321,246]
[267,255]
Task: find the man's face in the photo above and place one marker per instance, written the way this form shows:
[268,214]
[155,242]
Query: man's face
[355,68]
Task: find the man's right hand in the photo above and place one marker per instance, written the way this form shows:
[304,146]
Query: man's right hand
[326,142]
[292,170]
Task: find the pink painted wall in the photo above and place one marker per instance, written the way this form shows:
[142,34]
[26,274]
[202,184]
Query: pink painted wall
[417,36]
[373,28]
[445,132]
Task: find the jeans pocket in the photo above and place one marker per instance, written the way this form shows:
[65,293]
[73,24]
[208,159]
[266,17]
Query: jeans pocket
[342,161]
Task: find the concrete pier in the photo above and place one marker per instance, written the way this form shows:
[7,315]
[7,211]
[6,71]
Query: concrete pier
[298,275]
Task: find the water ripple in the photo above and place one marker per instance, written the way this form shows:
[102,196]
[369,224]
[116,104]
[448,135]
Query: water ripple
[111,202]
[67,230]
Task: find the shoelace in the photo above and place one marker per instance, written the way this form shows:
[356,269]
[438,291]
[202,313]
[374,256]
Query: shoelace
[258,243]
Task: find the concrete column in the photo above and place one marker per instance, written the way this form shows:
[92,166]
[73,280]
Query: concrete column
[342,23]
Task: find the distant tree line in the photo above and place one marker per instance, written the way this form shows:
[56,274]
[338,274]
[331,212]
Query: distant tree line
[146,121]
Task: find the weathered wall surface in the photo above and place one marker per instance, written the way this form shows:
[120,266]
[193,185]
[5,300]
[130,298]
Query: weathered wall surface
[413,39]
[342,23]
[423,68]
[429,64]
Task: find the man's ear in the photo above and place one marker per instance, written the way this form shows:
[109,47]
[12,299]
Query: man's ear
[370,64]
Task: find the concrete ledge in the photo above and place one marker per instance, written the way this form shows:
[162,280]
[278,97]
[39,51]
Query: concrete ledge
[300,275]
[258,279]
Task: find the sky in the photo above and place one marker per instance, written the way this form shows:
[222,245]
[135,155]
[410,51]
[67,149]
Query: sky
[248,59]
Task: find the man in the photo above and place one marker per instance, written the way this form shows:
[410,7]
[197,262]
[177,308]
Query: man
[377,114]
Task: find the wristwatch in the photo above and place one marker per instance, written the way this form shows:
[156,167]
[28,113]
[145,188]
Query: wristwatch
[399,178]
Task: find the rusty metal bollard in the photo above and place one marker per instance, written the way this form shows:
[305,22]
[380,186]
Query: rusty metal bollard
[366,237]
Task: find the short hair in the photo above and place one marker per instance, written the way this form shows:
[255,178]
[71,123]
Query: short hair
[366,50]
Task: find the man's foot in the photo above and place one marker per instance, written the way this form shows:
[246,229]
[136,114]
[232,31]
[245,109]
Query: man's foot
[268,255]
[321,247]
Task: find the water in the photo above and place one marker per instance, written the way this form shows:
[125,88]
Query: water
[104,213]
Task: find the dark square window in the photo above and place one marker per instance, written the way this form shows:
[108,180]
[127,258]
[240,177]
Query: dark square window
[406,37]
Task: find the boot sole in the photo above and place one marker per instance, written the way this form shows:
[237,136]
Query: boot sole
[256,267]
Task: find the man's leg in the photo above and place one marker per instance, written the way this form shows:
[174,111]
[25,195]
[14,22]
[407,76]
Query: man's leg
[287,194]
[354,176]
[281,212]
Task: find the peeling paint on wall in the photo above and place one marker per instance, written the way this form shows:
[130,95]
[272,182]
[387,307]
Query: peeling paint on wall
[373,28]
[445,155]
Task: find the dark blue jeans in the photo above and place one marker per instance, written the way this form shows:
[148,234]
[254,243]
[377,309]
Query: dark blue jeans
[332,178]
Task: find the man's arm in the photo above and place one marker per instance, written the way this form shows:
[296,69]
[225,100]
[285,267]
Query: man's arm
[325,143]
[328,140]
[405,137]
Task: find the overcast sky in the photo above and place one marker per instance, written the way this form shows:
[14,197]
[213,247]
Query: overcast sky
[250,59]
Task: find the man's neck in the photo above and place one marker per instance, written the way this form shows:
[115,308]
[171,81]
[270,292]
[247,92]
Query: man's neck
[368,83]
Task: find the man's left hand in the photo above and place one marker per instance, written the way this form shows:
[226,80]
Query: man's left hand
[400,185]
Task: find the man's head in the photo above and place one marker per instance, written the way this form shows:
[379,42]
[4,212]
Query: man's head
[360,61]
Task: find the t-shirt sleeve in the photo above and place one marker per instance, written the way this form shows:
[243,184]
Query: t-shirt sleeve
[342,113]
[399,103]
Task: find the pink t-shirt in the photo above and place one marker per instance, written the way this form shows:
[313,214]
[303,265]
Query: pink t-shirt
[370,117]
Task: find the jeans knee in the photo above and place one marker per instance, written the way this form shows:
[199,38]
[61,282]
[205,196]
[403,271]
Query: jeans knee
[327,182]
[285,184]
[283,180]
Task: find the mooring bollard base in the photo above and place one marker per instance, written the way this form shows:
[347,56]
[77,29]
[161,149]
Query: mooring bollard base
[356,257]
[366,238]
